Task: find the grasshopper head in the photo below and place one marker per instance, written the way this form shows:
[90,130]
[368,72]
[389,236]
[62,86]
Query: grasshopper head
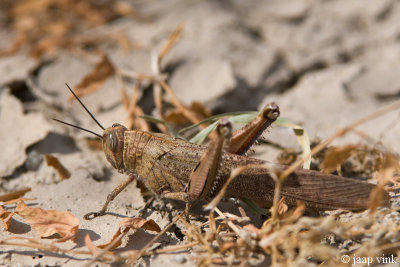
[113,145]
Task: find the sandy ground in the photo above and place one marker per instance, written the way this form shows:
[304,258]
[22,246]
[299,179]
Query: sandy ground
[325,63]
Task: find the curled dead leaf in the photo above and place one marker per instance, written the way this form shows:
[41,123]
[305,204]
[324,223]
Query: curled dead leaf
[92,81]
[282,207]
[335,156]
[136,223]
[389,169]
[49,222]
[56,164]
[131,223]
[5,217]
[376,198]
[299,211]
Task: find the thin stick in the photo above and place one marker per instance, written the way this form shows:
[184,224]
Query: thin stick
[175,101]
[119,238]
[171,41]
[173,248]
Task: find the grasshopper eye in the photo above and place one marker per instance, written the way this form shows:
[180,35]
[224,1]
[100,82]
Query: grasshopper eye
[112,141]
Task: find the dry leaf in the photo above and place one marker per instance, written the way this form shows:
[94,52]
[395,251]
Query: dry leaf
[136,223]
[299,211]
[390,167]
[132,223]
[282,207]
[95,79]
[5,217]
[14,195]
[13,201]
[200,109]
[94,143]
[226,246]
[376,198]
[49,222]
[56,164]
[175,116]
[335,156]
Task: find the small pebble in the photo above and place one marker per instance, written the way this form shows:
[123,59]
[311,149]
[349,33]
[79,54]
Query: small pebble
[180,259]
[33,161]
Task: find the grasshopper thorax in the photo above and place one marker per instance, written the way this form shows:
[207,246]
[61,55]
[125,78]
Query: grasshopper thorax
[113,145]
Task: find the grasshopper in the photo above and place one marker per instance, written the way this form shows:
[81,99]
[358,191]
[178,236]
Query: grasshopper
[176,169]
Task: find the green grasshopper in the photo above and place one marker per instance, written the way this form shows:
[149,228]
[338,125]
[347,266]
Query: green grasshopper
[176,169]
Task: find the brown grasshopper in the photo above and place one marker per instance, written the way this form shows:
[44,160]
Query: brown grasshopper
[177,169]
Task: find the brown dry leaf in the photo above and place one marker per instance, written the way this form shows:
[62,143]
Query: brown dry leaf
[299,211]
[200,109]
[376,198]
[5,217]
[94,143]
[226,246]
[49,222]
[13,201]
[56,164]
[335,156]
[390,167]
[176,117]
[14,195]
[95,79]
[282,207]
[132,223]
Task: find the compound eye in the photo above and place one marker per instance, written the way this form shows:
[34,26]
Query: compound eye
[112,141]
[115,125]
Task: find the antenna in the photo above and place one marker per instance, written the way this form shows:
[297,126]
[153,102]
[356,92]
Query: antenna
[91,115]
[80,128]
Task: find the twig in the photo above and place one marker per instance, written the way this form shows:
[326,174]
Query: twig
[173,248]
[142,251]
[119,238]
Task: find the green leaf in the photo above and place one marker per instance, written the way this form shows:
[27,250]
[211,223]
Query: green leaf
[202,135]
[254,207]
[152,119]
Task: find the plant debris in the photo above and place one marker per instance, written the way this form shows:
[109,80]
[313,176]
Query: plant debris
[49,222]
